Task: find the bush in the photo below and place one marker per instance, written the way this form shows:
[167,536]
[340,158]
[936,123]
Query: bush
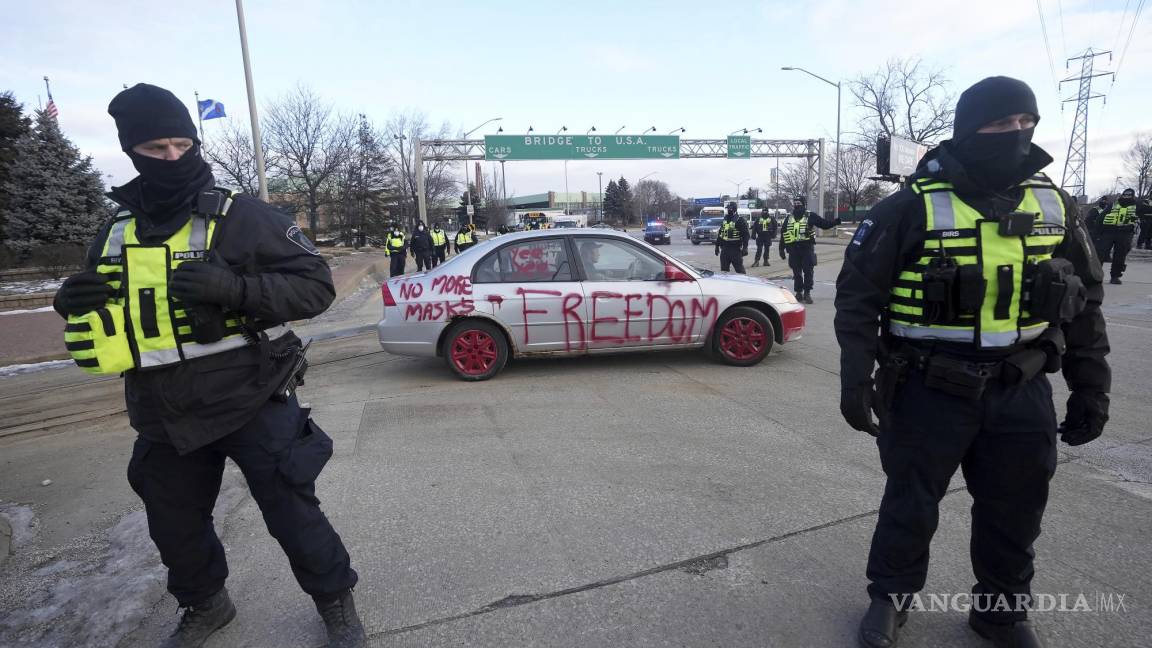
[58,259]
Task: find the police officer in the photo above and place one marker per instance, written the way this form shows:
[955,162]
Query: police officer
[1116,228]
[206,357]
[1144,213]
[439,245]
[977,278]
[764,230]
[421,247]
[732,241]
[798,239]
[396,248]
[464,239]
[1095,215]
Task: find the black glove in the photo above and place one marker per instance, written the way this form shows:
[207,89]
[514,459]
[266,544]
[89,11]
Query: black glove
[83,292]
[837,221]
[717,251]
[856,406]
[1087,414]
[782,255]
[198,282]
[744,252]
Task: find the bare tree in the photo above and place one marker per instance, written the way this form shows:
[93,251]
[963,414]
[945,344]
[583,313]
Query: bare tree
[856,168]
[796,179]
[1138,163]
[310,142]
[651,197]
[402,130]
[365,187]
[906,98]
[233,158]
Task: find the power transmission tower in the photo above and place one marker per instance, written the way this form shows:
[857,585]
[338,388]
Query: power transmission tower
[1076,163]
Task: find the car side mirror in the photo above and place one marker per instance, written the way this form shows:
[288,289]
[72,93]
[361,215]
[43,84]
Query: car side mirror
[672,273]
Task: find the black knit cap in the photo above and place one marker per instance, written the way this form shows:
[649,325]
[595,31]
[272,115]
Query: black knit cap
[991,99]
[146,112]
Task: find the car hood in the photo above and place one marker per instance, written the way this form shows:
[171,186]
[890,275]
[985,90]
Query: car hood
[733,280]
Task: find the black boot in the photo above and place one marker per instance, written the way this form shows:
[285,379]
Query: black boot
[880,627]
[1013,635]
[342,622]
[1115,281]
[807,297]
[201,620]
[754,264]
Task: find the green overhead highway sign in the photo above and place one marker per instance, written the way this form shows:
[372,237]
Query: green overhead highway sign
[581,147]
[740,146]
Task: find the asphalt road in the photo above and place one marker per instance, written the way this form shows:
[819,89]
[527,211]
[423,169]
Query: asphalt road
[654,500]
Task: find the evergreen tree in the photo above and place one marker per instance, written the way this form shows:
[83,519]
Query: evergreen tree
[55,196]
[627,201]
[462,210]
[13,126]
[611,205]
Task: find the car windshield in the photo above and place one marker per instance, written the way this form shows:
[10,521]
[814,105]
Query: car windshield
[714,222]
[656,228]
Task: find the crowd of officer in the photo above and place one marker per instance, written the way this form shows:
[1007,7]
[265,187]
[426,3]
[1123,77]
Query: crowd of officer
[957,296]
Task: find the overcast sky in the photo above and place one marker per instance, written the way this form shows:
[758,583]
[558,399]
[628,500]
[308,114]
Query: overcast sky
[711,67]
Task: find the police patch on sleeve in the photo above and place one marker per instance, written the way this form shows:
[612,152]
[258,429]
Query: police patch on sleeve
[862,232]
[296,236]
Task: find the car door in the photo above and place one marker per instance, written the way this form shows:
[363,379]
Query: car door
[529,286]
[630,301]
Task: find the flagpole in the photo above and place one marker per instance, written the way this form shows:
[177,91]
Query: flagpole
[256,142]
[199,116]
[48,88]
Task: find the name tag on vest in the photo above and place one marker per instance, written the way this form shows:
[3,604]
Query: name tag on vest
[184,256]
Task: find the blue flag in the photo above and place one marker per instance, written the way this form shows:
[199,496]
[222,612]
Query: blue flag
[211,109]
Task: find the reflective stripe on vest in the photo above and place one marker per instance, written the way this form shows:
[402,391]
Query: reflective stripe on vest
[463,237]
[1120,216]
[158,326]
[797,229]
[438,238]
[957,231]
[395,243]
[728,231]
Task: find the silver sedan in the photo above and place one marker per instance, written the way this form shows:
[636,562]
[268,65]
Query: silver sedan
[576,292]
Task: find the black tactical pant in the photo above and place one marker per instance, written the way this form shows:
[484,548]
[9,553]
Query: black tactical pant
[424,260]
[1005,443]
[440,255]
[1144,240]
[280,452]
[763,246]
[802,260]
[1114,243]
[397,267]
[732,257]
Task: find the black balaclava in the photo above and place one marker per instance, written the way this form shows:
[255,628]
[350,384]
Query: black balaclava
[798,210]
[993,160]
[1128,198]
[730,212]
[168,188]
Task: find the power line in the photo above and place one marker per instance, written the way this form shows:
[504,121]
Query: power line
[1047,46]
[1063,41]
[1135,20]
[1120,26]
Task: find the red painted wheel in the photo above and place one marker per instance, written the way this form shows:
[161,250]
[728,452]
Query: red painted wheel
[475,350]
[743,337]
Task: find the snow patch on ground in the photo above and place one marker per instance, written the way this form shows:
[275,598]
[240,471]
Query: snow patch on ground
[23,311]
[22,520]
[29,286]
[95,591]
[19,369]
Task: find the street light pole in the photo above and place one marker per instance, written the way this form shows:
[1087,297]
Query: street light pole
[836,177]
[600,182]
[467,191]
[638,186]
[257,144]
[619,129]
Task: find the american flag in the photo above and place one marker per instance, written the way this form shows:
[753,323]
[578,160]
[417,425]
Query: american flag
[51,110]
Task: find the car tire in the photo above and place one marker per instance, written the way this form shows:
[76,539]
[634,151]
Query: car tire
[475,350]
[742,337]
[695,242]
